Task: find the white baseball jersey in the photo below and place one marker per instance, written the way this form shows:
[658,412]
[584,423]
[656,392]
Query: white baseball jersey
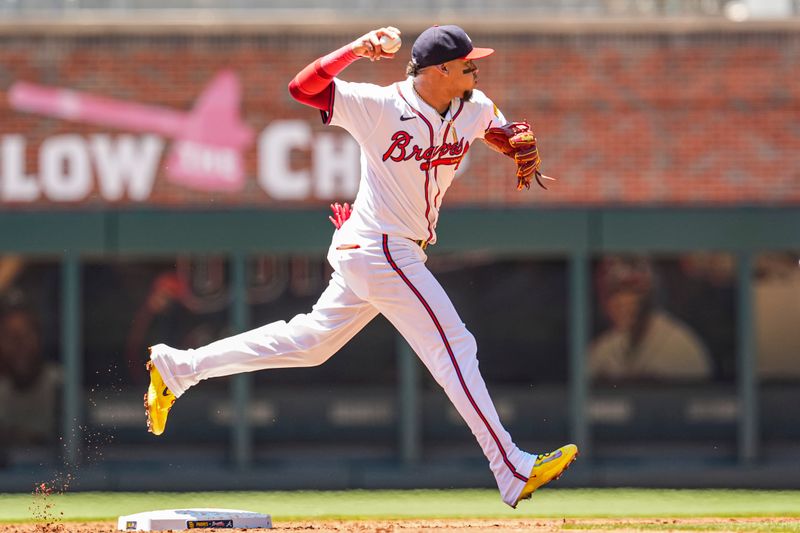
[409,152]
[409,155]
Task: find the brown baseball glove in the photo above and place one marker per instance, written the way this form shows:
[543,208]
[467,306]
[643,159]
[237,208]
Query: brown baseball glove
[516,140]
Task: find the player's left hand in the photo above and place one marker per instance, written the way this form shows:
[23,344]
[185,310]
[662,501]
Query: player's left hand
[340,214]
[369,44]
[516,140]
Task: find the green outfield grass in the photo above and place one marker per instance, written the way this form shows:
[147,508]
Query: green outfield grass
[384,504]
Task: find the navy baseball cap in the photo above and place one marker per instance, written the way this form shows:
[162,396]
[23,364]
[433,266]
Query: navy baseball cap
[440,44]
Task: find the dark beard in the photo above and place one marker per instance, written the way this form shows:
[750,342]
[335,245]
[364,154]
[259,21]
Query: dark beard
[467,97]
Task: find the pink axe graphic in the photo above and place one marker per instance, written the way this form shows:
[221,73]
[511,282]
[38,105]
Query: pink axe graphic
[209,140]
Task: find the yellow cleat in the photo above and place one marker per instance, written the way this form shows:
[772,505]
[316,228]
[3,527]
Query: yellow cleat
[157,401]
[548,466]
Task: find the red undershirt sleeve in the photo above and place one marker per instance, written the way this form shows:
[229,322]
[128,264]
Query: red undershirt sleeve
[313,86]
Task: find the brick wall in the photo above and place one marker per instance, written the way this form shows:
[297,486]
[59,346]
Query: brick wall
[635,119]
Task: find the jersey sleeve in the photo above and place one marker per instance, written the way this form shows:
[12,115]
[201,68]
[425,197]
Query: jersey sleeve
[496,118]
[356,107]
[492,116]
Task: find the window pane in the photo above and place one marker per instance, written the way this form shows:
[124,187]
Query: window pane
[516,309]
[30,369]
[129,305]
[776,288]
[662,357]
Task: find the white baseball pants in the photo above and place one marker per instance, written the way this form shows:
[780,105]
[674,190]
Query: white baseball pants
[381,275]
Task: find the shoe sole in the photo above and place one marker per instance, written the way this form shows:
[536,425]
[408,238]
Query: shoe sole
[148,366]
[147,414]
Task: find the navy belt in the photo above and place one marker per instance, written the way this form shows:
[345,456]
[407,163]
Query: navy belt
[421,243]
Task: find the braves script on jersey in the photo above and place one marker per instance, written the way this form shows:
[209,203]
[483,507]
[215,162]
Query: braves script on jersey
[409,153]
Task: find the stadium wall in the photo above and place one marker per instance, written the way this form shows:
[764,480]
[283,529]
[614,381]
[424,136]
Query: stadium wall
[658,116]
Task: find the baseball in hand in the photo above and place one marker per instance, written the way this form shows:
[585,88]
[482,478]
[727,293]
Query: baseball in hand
[390,45]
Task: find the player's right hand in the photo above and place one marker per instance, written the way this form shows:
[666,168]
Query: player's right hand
[369,46]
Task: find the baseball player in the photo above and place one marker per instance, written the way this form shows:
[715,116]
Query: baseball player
[413,135]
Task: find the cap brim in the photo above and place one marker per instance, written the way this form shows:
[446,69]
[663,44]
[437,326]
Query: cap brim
[478,53]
